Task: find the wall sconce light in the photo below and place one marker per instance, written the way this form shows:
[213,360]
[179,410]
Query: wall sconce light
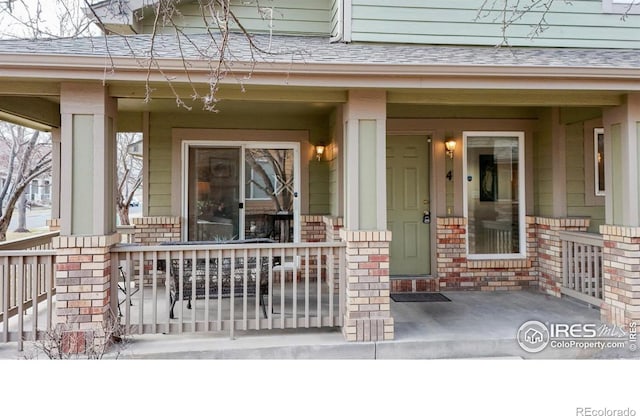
[319,151]
[450,146]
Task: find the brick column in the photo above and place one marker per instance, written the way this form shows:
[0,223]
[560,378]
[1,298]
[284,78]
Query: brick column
[621,275]
[154,230]
[550,249]
[53,224]
[83,290]
[367,315]
[332,225]
[311,228]
[451,248]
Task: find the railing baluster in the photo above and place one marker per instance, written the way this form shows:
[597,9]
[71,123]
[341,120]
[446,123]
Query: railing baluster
[34,277]
[154,291]
[245,284]
[168,281]
[597,272]
[282,286]
[207,288]
[270,291]
[329,268]
[294,290]
[49,286]
[258,292]
[307,260]
[565,263]
[219,272]
[232,284]
[5,298]
[141,292]
[194,288]
[19,286]
[319,288]
[341,286]
[588,281]
[181,288]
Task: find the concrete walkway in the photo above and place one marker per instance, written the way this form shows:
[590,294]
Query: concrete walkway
[472,325]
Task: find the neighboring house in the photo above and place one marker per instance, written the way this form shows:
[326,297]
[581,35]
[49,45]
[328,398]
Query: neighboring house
[38,191]
[543,140]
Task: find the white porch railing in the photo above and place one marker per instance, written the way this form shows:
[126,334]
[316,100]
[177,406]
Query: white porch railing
[237,287]
[26,280]
[33,242]
[582,266]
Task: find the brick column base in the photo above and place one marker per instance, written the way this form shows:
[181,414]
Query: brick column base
[83,291]
[621,275]
[368,313]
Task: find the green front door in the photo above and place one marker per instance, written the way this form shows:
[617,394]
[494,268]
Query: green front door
[407,204]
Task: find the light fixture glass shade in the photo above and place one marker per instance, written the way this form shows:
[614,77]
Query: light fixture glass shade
[319,151]
[450,145]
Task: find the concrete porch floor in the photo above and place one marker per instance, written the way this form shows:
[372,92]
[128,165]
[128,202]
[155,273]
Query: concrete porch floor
[472,325]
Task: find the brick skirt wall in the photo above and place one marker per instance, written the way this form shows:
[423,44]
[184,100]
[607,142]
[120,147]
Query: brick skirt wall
[456,272]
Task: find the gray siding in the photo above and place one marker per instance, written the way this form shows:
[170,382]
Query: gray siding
[575,24]
[308,17]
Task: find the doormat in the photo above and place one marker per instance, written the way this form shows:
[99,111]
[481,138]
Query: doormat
[419,297]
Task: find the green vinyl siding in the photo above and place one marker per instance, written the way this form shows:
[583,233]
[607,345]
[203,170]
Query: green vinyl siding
[576,203]
[319,198]
[568,24]
[284,16]
[160,157]
[336,23]
[543,168]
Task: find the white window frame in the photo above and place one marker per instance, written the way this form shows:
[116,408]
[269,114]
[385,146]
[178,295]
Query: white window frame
[621,6]
[184,192]
[596,176]
[521,194]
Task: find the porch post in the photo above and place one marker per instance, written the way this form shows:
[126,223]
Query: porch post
[87,209]
[621,253]
[365,160]
[55,173]
[368,315]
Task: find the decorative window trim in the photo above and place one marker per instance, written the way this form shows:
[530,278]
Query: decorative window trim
[522,236]
[590,170]
[596,177]
[621,6]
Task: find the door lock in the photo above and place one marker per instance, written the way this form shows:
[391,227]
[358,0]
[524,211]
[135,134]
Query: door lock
[426,217]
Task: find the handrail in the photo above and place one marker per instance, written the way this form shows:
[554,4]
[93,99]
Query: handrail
[133,248]
[33,241]
[582,238]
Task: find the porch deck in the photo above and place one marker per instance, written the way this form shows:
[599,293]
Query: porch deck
[472,325]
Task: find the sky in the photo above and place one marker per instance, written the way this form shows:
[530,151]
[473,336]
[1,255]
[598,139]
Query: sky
[46,14]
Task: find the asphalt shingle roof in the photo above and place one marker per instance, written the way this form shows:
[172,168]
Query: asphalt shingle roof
[320,50]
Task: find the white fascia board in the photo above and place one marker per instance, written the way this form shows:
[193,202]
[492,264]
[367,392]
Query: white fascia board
[328,75]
